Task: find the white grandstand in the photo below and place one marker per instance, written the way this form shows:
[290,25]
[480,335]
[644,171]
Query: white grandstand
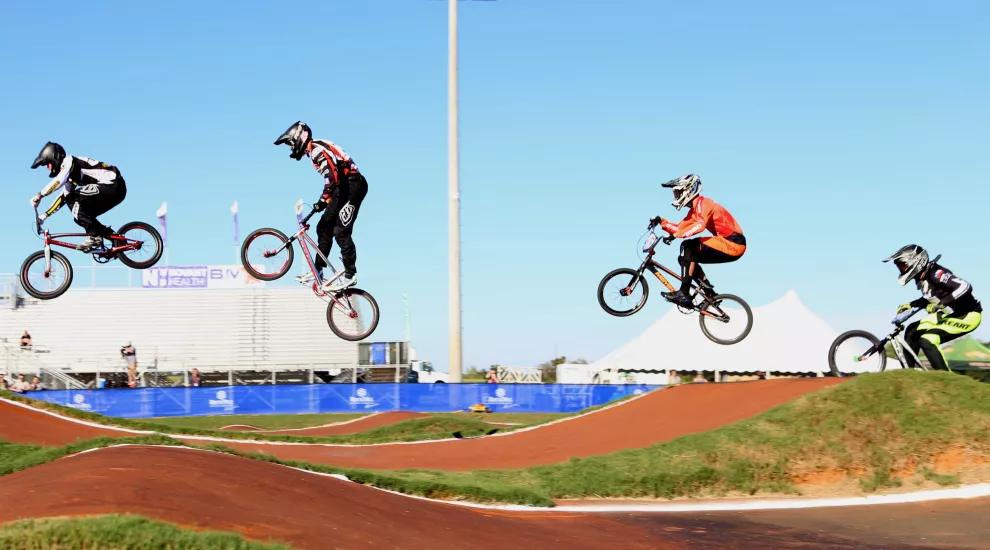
[245,335]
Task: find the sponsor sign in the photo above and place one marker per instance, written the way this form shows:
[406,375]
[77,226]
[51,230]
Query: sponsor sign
[198,276]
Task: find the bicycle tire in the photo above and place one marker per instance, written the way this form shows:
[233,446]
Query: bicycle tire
[56,257]
[847,336]
[718,299]
[371,326]
[250,269]
[614,273]
[156,236]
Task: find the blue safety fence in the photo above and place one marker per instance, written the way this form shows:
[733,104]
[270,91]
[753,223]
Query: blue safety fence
[338,398]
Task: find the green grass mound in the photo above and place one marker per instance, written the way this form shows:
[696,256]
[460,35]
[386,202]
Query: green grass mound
[117,532]
[869,429]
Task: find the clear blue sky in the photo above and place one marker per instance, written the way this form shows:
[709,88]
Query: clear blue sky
[835,133]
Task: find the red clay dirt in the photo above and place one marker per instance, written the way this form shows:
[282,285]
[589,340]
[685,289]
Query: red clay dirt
[263,501]
[369,422]
[21,425]
[654,418]
[659,416]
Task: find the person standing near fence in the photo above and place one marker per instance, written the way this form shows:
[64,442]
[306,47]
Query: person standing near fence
[130,355]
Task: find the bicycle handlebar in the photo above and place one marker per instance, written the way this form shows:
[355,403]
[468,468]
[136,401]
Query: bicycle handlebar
[308,216]
[37,221]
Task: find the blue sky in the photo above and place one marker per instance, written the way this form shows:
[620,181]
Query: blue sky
[835,133]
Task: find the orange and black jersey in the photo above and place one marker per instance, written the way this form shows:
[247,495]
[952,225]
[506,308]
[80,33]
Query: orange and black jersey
[704,214]
[332,162]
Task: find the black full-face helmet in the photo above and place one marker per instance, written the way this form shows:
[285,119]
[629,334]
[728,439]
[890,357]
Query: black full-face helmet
[298,138]
[52,154]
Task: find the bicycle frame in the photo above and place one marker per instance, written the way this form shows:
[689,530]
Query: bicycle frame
[303,237]
[897,341]
[656,267]
[53,239]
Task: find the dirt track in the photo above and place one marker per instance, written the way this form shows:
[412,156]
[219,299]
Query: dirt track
[657,417]
[369,422]
[261,500]
[654,418]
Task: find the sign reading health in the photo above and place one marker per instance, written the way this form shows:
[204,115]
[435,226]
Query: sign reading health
[198,276]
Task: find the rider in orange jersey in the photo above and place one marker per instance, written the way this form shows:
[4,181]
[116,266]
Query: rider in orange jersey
[727,245]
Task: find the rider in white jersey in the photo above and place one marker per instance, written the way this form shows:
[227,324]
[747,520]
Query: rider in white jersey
[90,187]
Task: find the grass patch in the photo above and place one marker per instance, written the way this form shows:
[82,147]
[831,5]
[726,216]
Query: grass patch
[418,429]
[263,421]
[941,479]
[118,531]
[523,419]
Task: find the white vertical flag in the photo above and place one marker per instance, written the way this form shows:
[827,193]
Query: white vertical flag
[161,218]
[233,210]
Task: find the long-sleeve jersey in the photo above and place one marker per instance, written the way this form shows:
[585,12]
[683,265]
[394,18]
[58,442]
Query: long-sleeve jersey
[940,286]
[707,214]
[78,173]
[332,162]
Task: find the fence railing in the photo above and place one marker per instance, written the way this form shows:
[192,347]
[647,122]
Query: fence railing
[339,398]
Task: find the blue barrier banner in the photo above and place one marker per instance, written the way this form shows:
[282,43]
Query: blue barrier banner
[338,398]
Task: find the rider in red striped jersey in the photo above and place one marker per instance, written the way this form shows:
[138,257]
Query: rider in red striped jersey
[344,189]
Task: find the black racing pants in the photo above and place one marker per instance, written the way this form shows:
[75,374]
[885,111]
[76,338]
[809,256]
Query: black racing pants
[708,250]
[95,199]
[338,222]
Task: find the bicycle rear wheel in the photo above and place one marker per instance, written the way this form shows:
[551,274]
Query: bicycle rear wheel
[852,358]
[45,286]
[714,316]
[353,314]
[259,258]
[150,250]
[620,285]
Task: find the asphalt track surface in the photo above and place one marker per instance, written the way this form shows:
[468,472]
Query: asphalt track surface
[263,501]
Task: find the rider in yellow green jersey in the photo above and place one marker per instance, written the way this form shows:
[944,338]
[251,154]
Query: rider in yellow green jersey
[953,310]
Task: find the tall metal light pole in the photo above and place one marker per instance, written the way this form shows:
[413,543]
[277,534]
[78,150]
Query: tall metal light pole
[454,230]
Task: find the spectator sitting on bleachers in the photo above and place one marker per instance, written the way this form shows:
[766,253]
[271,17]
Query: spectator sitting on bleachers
[36,384]
[25,341]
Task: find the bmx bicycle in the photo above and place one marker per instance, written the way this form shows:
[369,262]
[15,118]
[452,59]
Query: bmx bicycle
[344,310]
[47,274]
[874,348]
[708,305]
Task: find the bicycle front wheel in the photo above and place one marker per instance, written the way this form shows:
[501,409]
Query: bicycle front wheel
[726,325]
[621,285]
[353,314]
[43,284]
[259,256]
[848,354]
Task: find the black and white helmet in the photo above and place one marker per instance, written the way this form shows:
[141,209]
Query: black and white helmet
[911,261]
[298,137]
[52,154]
[686,188]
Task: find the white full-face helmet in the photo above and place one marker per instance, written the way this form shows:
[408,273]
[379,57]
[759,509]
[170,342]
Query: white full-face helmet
[686,188]
[911,261]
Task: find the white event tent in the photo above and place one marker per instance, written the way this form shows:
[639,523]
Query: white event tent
[786,338]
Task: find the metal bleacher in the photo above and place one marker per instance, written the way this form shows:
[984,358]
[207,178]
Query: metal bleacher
[279,333]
